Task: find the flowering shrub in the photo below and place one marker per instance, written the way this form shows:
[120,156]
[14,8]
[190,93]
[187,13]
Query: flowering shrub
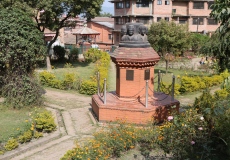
[201,132]
[107,143]
[216,111]
[11,144]
[41,121]
[185,136]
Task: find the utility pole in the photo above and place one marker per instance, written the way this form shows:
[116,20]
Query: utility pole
[198,21]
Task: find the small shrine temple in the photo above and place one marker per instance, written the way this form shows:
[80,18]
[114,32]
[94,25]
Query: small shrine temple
[134,100]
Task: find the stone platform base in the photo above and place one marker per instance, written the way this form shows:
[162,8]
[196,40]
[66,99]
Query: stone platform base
[133,110]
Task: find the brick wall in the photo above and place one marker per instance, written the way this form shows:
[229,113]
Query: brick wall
[181,8]
[104,32]
[129,88]
[109,112]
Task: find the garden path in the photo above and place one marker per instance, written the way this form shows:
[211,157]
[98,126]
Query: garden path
[78,125]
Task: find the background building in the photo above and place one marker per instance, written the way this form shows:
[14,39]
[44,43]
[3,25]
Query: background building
[105,26]
[194,13]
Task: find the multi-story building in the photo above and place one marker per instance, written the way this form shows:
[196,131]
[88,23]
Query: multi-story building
[195,13]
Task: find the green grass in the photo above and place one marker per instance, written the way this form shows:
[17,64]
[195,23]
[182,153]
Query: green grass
[13,122]
[83,69]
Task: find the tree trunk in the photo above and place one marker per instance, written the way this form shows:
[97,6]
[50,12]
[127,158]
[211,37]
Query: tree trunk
[48,50]
[48,64]
[166,65]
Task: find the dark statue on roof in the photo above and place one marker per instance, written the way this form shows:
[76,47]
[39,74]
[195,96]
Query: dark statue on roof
[134,35]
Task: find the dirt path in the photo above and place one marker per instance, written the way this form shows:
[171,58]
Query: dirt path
[67,99]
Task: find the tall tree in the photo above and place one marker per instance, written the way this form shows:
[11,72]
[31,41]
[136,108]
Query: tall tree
[197,41]
[48,13]
[169,37]
[21,47]
[221,12]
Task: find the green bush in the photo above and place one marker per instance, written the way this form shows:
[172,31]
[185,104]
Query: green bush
[167,88]
[221,94]
[74,53]
[21,48]
[21,91]
[46,78]
[92,55]
[11,144]
[26,137]
[216,111]
[70,80]
[38,134]
[88,87]
[59,52]
[188,84]
[68,65]
[44,121]
[185,136]
[191,84]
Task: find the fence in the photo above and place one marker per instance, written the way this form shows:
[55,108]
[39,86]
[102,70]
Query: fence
[102,92]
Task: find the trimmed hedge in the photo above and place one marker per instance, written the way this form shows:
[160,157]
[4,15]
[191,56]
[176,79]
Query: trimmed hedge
[195,83]
[191,84]
[89,87]
[71,81]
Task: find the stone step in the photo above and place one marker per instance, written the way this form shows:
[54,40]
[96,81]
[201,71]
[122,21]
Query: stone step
[37,153]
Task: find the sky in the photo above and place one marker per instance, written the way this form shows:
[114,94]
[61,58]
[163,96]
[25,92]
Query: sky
[107,4]
[107,7]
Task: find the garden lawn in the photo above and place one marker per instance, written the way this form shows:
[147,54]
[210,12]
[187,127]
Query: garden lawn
[82,69]
[13,122]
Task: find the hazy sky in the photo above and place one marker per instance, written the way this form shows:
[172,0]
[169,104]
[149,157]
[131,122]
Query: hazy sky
[107,4]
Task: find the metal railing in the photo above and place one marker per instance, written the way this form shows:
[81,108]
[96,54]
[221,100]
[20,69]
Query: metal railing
[102,92]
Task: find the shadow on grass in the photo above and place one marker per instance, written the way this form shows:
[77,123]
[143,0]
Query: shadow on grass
[61,64]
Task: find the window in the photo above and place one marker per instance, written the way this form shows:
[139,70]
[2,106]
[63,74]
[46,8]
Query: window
[147,74]
[110,36]
[127,19]
[159,2]
[119,5]
[142,3]
[167,2]
[127,4]
[129,75]
[173,11]
[209,4]
[158,19]
[212,21]
[167,18]
[198,5]
[182,21]
[143,20]
[199,21]
[119,21]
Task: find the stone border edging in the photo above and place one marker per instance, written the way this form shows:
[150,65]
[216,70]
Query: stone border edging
[60,132]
